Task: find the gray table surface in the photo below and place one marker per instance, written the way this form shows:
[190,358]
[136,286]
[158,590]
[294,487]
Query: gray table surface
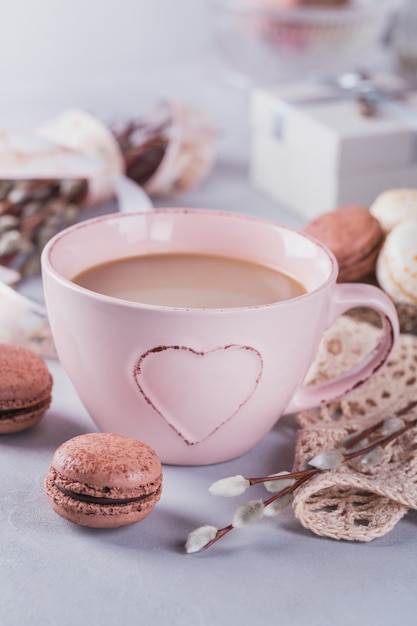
[53,573]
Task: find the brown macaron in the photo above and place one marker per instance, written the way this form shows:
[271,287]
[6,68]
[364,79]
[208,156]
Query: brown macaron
[25,388]
[354,236]
[103,480]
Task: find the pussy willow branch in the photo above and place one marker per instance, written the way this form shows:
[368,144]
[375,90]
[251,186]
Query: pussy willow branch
[303,476]
[368,431]
[383,442]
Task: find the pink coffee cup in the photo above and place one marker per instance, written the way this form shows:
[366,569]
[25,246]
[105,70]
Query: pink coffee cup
[199,385]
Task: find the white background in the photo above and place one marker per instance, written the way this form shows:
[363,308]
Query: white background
[95,52]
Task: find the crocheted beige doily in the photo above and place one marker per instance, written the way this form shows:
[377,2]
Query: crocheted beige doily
[355,502]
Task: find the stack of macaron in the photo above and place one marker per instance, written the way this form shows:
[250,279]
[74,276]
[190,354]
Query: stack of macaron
[377,244]
[396,270]
[101,480]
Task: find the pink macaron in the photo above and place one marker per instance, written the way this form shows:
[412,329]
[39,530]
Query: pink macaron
[103,480]
[353,235]
[25,388]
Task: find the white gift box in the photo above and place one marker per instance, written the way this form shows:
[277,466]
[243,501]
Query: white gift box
[312,150]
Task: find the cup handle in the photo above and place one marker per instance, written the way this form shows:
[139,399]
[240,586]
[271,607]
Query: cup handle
[348,296]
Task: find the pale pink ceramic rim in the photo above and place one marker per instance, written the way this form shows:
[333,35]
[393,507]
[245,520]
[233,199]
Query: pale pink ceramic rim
[47,264]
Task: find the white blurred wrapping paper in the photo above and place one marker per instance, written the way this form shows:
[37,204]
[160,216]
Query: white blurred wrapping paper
[76,145]
[92,154]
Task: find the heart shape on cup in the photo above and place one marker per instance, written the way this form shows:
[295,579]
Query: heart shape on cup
[195,392]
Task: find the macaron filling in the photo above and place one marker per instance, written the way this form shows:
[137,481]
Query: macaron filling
[102,500]
[16,412]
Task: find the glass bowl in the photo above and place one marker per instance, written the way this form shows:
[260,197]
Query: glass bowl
[261,42]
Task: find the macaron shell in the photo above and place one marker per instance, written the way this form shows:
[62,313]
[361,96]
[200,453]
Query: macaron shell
[394,206]
[106,459]
[25,388]
[397,263]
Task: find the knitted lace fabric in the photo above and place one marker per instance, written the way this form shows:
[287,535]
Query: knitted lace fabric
[355,502]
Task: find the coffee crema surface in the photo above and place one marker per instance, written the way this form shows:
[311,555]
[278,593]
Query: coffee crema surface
[190,281]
